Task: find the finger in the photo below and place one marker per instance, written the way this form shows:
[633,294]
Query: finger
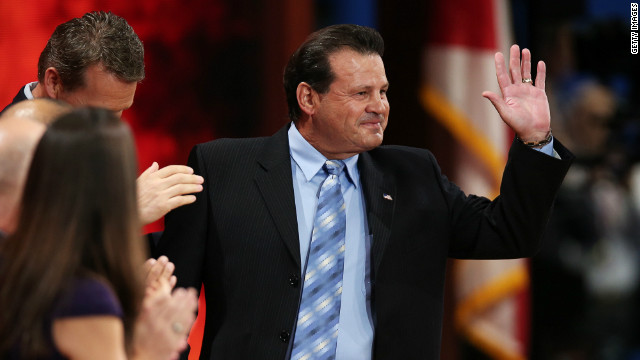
[164,285]
[154,272]
[182,345]
[180,298]
[173,280]
[159,265]
[176,179]
[514,64]
[184,307]
[496,100]
[174,169]
[168,271]
[185,299]
[526,64]
[182,189]
[501,72]
[163,184]
[541,75]
[178,201]
[163,260]
[193,296]
[148,264]
[151,169]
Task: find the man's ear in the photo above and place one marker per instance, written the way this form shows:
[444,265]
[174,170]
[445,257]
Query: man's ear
[308,99]
[52,83]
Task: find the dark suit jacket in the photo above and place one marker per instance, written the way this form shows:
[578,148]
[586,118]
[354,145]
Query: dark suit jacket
[240,239]
[19,97]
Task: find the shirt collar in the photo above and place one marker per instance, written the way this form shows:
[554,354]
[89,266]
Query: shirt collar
[28,88]
[311,160]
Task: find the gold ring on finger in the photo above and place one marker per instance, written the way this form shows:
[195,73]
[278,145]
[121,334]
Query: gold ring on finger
[177,328]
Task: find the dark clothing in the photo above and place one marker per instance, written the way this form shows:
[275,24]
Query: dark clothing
[19,97]
[83,297]
[240,240]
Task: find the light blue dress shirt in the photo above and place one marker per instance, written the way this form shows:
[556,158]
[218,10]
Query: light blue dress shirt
[355,334]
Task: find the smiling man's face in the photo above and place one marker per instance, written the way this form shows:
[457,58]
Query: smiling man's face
[351,116]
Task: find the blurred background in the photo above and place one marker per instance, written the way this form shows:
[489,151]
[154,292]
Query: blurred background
[214,69]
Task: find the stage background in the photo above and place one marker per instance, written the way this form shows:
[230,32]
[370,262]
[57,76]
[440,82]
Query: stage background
[214,69]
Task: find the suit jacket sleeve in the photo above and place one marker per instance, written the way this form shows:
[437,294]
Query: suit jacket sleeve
[184,238]
[513,224]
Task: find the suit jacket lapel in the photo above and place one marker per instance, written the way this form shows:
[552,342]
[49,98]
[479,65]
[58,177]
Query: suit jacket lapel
[380,198]
[276,185]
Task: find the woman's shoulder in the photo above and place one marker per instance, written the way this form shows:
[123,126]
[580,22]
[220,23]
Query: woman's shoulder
[87,296]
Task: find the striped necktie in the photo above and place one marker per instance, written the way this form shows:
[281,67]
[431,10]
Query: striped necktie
[317,327]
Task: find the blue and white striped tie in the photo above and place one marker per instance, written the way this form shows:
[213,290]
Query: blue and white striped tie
[317,328]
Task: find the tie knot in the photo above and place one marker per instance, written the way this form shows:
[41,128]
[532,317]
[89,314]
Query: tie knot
[333,167]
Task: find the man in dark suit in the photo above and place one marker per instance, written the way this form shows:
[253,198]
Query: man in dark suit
[98,60]
[251,236]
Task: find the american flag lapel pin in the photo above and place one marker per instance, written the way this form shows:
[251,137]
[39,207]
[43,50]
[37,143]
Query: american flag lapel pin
[387,197]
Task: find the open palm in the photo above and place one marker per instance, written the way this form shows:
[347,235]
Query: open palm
[523,106]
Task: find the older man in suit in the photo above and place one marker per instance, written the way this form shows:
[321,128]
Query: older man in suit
[318,243]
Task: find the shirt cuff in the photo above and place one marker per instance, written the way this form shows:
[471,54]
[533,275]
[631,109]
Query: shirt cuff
[548,149]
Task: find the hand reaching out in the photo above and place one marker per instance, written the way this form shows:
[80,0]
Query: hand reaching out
[523,105]
[162,190]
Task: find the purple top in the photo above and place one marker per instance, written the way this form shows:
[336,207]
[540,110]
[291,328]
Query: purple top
[84,297]
[87,297]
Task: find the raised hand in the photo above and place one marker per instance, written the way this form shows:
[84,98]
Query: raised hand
[523,105]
